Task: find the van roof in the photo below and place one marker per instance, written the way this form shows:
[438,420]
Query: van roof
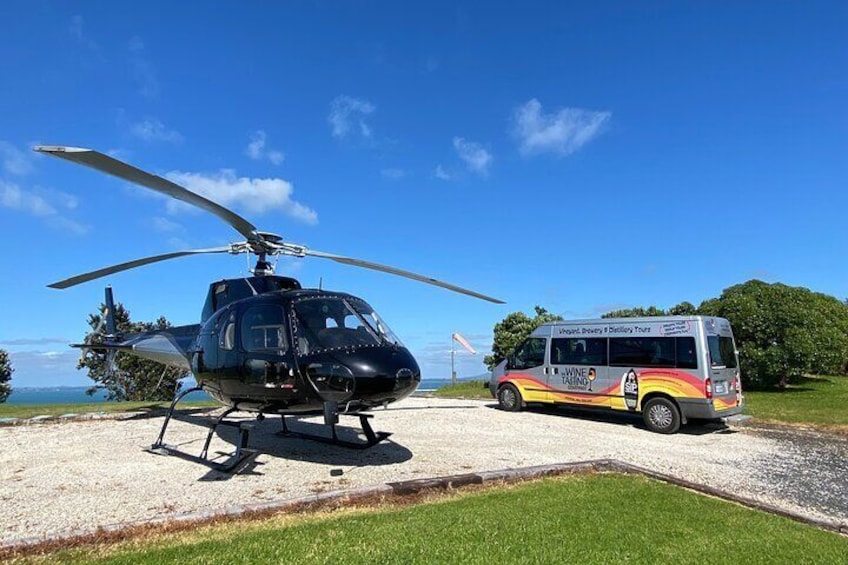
[640,319]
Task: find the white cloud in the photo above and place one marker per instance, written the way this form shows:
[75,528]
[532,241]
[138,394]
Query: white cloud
[561,133]
[35,341]
[441,173]
[152,129]
[120,154]
[256,149]
[393,174]
[76,30]
[15,161]
[42,204]
[142,69]
[46,368]
[347,113]
[251,194]
[475,157]
[164,225]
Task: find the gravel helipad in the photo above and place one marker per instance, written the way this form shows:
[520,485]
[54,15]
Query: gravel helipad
[62,477]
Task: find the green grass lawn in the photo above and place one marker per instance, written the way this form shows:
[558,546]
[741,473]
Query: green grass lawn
[575,519]
[30,410]
[464,389]
[819,401]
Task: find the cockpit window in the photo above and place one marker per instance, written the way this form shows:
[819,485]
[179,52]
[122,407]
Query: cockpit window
[375,322]
[263,329]
[323,323]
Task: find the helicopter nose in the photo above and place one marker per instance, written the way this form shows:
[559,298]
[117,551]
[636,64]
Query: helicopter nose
[389,376]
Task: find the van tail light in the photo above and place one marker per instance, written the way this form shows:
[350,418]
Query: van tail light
[708,388]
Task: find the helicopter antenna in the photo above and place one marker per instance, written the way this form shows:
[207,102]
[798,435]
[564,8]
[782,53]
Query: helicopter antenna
[320,283]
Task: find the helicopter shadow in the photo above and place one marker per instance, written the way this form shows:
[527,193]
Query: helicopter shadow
[267,438]
[157,411]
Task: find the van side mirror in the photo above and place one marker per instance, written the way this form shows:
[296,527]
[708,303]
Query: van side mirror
[510,362]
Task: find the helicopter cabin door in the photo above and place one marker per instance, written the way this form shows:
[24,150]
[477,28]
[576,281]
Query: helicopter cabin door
[268,360]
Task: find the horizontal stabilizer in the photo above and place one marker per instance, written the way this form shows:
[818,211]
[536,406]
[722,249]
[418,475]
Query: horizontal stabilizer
[169,346]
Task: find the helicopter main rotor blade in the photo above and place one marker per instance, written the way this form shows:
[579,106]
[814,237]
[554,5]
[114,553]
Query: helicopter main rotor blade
[399,272]
[79,279]
[114,167]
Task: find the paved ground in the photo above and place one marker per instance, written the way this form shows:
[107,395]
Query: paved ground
[74,476]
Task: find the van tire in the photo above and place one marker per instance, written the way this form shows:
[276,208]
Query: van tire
[661,415]
[509,398]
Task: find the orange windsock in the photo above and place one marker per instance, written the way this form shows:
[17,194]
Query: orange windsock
[461,340]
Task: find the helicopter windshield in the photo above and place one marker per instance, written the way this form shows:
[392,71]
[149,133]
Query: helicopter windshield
[324,323]
[375,322]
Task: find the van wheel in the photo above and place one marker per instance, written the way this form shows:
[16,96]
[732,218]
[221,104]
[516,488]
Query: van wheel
[509,398]
[661,415]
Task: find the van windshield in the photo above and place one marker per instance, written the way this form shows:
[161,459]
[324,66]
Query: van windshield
[722,351]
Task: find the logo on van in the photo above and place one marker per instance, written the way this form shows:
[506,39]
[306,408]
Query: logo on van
[630,389]
[578,377]
[675,328]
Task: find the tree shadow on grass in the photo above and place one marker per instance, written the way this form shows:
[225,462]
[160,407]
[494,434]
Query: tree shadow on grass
[803,384]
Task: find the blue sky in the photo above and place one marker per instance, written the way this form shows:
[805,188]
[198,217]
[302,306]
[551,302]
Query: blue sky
[579,157]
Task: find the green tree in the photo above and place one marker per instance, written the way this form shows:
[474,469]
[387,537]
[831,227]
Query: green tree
[514,329]
[682,309]
[6,371]
[783,332]
[638,312]
[130,377]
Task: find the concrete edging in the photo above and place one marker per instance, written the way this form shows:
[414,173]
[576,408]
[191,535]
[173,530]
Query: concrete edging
[403,489]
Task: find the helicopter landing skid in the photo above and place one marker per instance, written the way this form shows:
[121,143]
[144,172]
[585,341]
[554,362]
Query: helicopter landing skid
[372,438]
[232,465]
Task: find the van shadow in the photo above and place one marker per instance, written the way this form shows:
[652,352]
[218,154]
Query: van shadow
[615,417]
[266,439]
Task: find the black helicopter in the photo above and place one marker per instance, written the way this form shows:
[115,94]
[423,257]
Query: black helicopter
[264,344]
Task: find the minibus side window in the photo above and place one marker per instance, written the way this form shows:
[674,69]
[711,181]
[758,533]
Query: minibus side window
[642,351]
[579,351]
[529,354]
[686,356]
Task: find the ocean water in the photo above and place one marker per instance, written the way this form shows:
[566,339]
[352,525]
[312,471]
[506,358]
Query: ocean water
[77,394]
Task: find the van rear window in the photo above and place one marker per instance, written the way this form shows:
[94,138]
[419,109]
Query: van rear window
[722,351]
